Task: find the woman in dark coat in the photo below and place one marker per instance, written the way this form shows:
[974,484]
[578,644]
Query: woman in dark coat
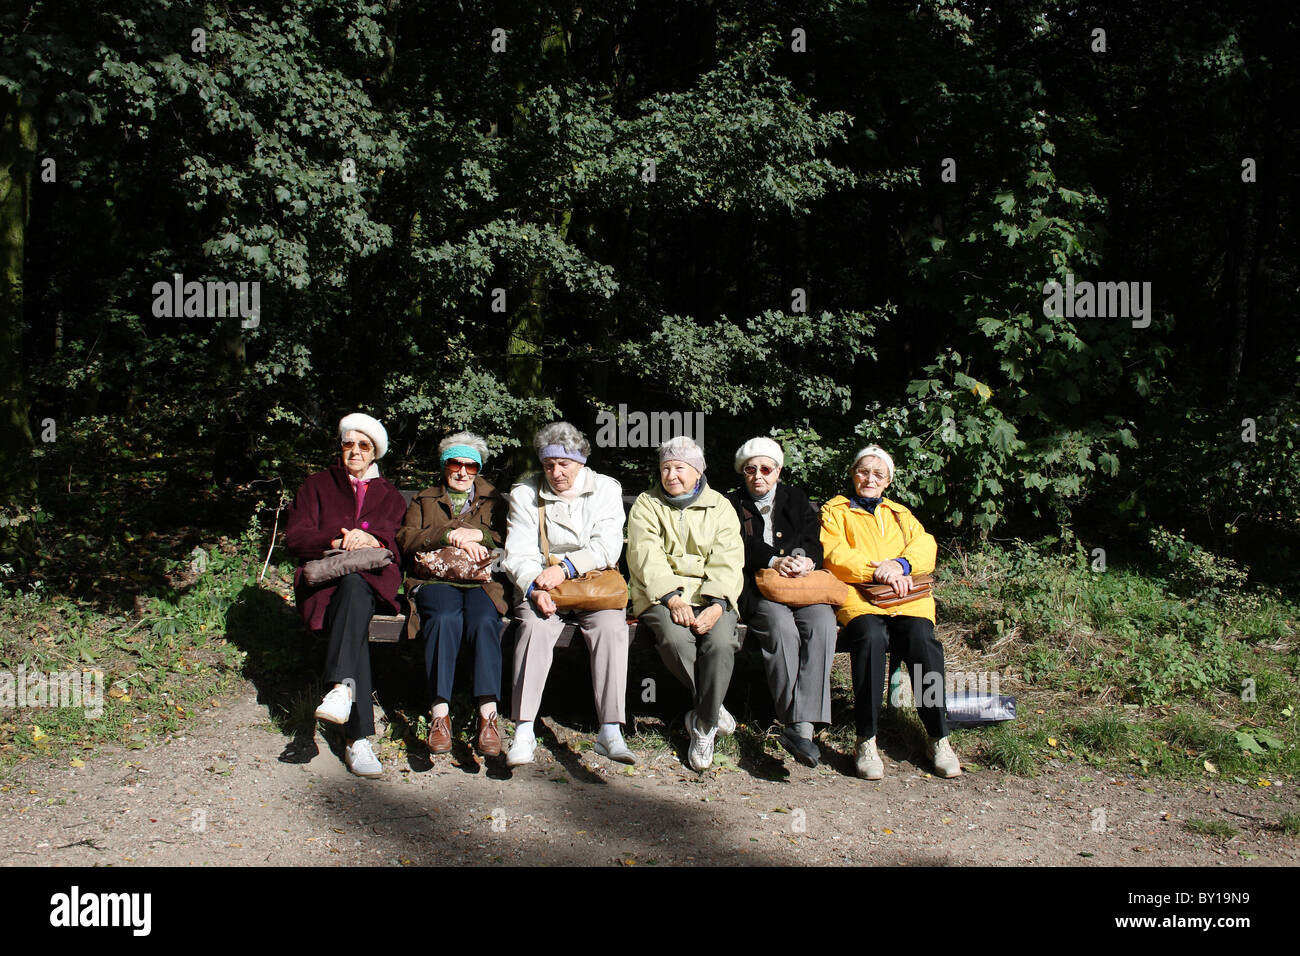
[782,531]
[464,512]
[348,506]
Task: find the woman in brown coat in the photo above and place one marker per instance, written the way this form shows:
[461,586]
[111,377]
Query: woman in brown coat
[348,506]
[463,512]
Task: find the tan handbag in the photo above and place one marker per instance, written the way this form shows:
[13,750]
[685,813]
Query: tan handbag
[602,590]
[815,587]
[882,595]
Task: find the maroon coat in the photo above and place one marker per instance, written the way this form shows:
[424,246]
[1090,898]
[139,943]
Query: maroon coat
[324,504]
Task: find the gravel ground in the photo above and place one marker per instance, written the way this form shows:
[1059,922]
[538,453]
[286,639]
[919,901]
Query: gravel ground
[233,791]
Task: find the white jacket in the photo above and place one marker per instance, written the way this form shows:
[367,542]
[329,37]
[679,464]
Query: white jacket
[588,530]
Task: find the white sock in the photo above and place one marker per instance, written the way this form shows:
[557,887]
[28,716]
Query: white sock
[441,709]
[610,733]
[524,730]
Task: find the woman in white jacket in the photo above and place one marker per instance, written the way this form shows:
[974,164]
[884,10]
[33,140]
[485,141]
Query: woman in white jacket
[584,530]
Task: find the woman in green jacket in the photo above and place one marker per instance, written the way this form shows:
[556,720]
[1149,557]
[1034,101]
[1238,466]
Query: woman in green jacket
[685,558]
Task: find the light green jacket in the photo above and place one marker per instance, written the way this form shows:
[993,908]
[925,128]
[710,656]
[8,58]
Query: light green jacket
[697,549]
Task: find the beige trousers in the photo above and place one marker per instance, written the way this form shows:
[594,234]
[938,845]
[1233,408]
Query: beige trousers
[606,635]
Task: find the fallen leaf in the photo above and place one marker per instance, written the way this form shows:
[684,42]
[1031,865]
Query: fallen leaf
[1051,741]
[76,762]
[1210,768]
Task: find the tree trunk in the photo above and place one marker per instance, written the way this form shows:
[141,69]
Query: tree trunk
[17,160]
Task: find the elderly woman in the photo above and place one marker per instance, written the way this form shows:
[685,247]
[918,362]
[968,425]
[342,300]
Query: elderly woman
[463,512]
[348,506]
[685,557]
[780,529]
[867,538]
[583,512]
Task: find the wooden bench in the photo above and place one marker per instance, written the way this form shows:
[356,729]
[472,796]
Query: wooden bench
[391,628]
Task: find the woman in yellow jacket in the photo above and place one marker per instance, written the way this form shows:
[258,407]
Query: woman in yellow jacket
[869,539]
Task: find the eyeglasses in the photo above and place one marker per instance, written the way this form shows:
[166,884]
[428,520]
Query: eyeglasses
[455,464]
[363,445]
[878,475]
[753,470]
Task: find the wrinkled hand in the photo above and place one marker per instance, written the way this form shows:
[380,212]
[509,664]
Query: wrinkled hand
[475,551]
[356,539]
[891,573]
[543,601]
[705,620]
[463,537]
[683,615]
[550,579]
[794,567]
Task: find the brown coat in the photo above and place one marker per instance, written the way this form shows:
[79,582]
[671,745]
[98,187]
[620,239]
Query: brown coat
[429,517]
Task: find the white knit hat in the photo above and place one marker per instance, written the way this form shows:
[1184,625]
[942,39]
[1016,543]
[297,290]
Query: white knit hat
[359,422]
[875,451]
[759,448]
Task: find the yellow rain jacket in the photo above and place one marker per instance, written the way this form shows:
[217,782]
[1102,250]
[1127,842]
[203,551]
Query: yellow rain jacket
[853,539]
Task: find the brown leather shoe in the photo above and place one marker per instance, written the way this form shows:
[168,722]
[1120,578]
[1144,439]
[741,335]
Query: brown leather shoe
[489,740]
[439,739]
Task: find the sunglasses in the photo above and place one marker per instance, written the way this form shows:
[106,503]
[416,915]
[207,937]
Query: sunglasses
[456,464]
[753,470]
[363,445]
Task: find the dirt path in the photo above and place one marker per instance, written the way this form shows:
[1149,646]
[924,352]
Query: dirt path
[229,793]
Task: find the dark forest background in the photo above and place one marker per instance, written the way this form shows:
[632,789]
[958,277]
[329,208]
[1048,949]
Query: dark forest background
[795,145]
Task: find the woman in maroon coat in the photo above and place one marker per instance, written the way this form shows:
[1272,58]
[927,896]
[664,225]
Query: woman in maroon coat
[348,506]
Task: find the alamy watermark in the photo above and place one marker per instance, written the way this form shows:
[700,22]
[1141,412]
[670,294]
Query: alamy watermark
[23,688]
[211,300]
[646,430]
[1098,300]
[928,689]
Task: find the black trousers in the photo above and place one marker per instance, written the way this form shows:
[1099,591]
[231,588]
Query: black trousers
[870,637]
[347,660]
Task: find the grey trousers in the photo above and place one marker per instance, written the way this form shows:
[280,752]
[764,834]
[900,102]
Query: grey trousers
[798,647]
[606,635]
[704,663]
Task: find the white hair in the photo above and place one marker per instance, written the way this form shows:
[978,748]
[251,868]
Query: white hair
[464,438]
[561,433]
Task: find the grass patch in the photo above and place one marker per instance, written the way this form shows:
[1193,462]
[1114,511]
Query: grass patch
[1008,750]
[1289,823]
[1105,734]
[1214,828]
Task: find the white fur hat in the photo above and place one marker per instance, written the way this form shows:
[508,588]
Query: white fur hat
[875,451]
[759,448]
[360,422]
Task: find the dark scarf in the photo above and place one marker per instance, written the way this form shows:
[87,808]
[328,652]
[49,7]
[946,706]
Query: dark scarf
[865,504]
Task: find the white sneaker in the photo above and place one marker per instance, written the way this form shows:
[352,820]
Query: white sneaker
[700,753]
[726,723]
[614,748]
[944,760]
[868,764]
[521,750]
[361,760]
[337,705]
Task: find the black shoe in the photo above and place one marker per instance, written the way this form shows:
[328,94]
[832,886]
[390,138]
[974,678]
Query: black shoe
[804,750]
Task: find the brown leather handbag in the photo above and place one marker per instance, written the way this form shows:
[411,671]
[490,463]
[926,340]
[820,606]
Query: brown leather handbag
[600,590]
[453,564]
[815,587]
[882,595]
